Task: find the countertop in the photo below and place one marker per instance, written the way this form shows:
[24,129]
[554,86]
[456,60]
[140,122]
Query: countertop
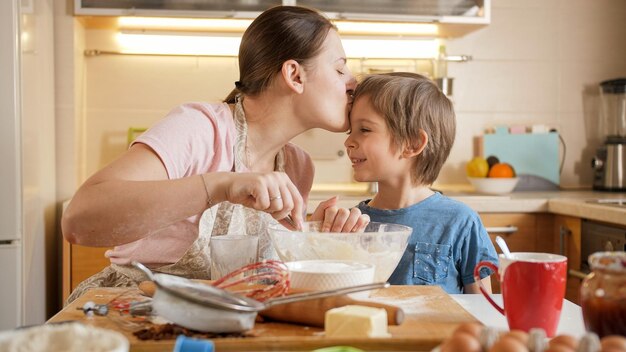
[431,315]
[571,203]
[570,323]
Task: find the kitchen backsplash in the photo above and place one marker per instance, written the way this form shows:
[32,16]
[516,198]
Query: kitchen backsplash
[537,62]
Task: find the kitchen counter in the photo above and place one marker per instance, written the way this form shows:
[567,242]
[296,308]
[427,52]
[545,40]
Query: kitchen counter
[431,315]
[570,323]
[571,203]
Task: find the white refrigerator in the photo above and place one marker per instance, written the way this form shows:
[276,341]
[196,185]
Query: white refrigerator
[10,170]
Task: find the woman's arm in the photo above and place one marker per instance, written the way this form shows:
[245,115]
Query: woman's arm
[129,199]
[133,197]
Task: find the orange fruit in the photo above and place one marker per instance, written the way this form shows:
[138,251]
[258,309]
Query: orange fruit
[502,170]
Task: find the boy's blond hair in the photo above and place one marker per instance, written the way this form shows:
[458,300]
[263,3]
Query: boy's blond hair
[411,102]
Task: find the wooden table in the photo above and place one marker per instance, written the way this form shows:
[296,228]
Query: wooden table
[431,316]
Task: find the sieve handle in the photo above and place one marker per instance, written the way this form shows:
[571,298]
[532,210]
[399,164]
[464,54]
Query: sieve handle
[323,294]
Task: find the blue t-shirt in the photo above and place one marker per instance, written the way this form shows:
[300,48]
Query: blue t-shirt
[447,242]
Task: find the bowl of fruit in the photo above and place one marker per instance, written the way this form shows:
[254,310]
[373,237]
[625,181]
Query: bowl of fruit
[491,176]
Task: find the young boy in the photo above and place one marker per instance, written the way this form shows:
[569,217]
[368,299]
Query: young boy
[402,130]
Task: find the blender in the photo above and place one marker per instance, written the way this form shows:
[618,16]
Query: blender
[609,164]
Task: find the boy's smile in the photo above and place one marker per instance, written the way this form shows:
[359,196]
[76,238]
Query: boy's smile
[356,161]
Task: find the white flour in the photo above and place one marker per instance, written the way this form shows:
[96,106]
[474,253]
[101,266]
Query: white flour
[385,257]
[70,337]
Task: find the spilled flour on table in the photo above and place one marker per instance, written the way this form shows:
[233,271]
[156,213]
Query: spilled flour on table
[417,305]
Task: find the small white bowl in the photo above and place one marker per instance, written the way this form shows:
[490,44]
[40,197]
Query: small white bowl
[494,185]
[318,275]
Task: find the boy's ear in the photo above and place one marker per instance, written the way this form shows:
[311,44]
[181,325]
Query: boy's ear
[416,147]
[292,74]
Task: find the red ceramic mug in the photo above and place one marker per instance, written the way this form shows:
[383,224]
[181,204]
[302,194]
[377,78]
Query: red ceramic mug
[533,288]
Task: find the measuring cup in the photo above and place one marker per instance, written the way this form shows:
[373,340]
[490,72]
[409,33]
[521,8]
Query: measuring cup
[207,308]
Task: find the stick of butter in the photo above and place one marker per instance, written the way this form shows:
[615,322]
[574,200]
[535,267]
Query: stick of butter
[356,321]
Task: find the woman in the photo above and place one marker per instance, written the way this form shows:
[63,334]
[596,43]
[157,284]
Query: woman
[233,158]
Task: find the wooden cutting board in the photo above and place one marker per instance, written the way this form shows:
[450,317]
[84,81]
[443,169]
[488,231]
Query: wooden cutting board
[431,315]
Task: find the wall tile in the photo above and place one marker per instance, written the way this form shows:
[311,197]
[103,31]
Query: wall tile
[592,31]
[132,82]
[106,133]
[505,86]
[579,78]
[581,144]
[514,34]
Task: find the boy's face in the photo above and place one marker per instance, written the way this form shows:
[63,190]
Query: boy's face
[370,147]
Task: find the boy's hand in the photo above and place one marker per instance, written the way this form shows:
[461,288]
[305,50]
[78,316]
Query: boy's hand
[335,219]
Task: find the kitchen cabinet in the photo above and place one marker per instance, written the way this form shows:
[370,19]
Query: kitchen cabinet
[441,11]
[567,239]
[454,17]
[523,232]
[79,263]
[540,232]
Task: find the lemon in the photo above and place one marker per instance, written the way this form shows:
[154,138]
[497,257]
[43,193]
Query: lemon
[477,167]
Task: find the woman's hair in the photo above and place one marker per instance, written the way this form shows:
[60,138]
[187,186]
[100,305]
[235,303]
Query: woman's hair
[279,34]
[411,102]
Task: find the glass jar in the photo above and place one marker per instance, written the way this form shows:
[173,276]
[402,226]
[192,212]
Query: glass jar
[603,294]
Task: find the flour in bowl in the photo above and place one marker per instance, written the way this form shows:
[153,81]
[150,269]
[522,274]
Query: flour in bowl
[69,337]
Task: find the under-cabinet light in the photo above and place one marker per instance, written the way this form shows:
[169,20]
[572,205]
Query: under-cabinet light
[387,28]
[172,44]
[184,24]
[224,45]
[239,25]
[378,48]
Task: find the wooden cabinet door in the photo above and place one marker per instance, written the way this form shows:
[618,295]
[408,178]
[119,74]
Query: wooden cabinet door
[79,263]
[567,242]
[523,232]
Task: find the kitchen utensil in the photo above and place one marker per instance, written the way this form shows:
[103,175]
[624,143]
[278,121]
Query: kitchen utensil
[309,312]
[533,288]
[318,274]
[230,252]
[379,244]
[603,299]
[251,280]
[312,312]
[505,249]
[292,224]
[209,308]
[189,344]
[609,164]
[494,185]
[535,156]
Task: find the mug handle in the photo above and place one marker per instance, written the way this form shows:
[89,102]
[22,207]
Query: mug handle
[494,268]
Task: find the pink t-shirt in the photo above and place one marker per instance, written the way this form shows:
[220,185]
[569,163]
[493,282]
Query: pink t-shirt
[192,139]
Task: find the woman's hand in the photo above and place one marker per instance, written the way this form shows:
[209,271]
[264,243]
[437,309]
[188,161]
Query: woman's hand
[335,219]
[273,193]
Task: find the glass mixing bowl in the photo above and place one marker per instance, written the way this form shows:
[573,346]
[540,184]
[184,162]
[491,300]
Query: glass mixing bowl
[379,244]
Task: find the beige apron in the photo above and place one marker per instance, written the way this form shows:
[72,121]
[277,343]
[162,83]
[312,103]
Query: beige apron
[221,219]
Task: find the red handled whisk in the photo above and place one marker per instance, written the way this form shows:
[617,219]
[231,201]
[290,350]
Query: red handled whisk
[266,279]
